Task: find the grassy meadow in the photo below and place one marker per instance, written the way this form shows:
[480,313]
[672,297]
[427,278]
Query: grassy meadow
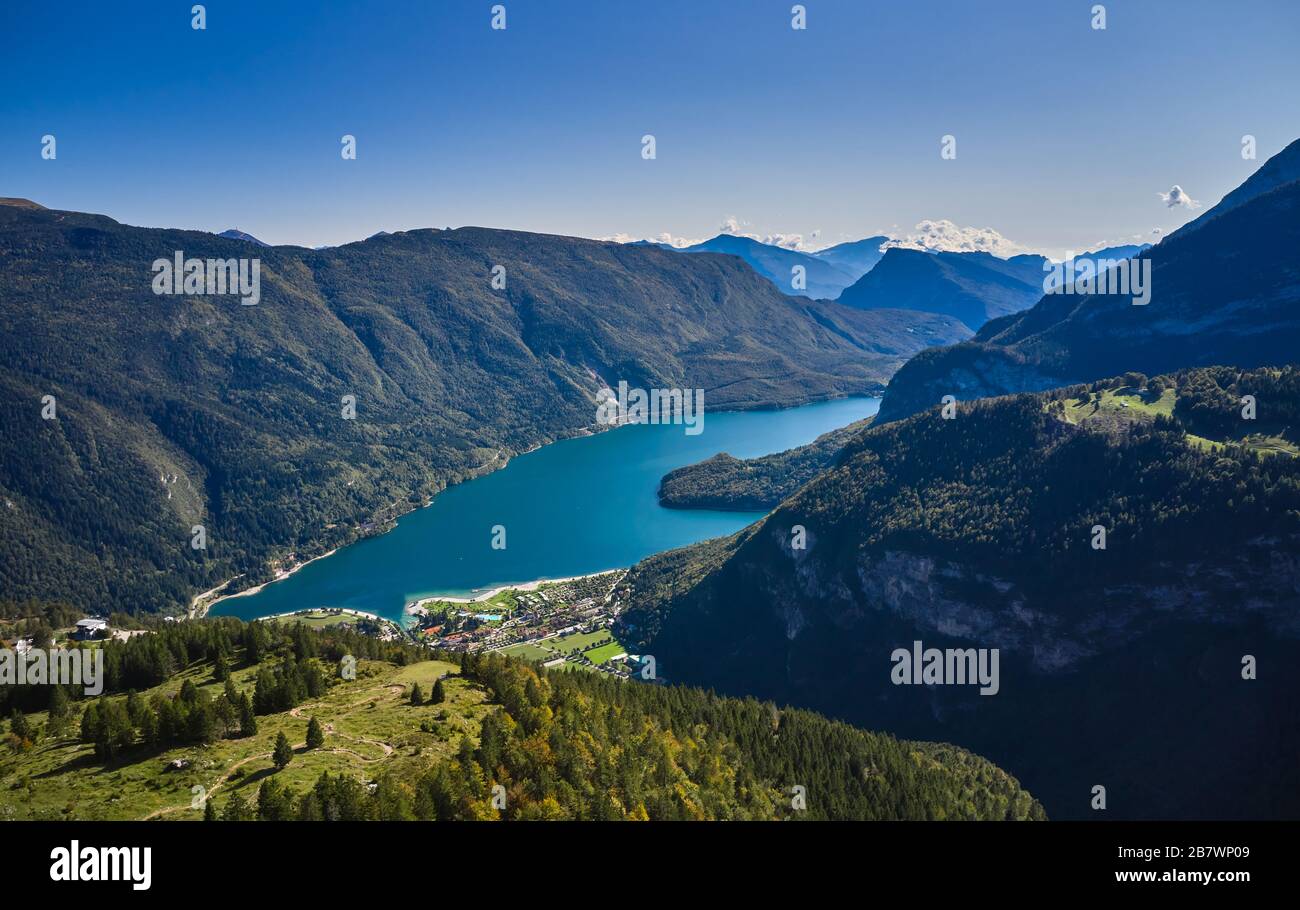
[370,726]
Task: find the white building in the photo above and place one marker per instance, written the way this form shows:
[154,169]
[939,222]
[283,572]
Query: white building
[90,628]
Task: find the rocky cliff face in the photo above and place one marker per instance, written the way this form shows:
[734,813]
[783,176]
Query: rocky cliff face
[1140,691]
[954,600]
[973,533]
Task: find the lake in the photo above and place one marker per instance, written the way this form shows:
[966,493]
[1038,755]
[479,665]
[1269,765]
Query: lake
[571,508]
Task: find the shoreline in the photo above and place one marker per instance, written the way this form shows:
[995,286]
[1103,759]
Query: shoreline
[489,467]
[533,585]
[496,464]
[247,592]
[348,610]
[200,605]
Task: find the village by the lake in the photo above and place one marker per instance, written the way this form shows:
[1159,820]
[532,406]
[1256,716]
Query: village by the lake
[561,624]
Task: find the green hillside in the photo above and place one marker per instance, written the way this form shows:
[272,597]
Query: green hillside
[414,738]
[759,484]
[176,411]
[983,530]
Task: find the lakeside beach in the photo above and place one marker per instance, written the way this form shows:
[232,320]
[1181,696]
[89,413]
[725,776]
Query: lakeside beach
[415,606]
[198,611]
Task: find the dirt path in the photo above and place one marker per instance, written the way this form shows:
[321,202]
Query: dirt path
[329,728]
[217,785]
[225,778]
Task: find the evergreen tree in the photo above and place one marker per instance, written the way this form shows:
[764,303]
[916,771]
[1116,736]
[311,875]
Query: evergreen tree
[309,808]
[107,727]
[392,801]
[136,708]
[209,811]
[60,709]
[90,723]
[283,752]
[247,719]
[256,643]
[315,735]
[237,810]
[274,804]
[265,692]
[19,726]
[149,728]
[439,693]
[417,695]
[227,715]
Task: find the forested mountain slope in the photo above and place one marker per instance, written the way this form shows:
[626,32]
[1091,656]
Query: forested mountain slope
[980,531]
[259,720]
[727,482]
[172,412]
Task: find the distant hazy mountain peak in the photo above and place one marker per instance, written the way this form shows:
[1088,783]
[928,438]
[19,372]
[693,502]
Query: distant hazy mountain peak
[237,234]
[1223,293]
[823,279]
[857,257]
[971,286]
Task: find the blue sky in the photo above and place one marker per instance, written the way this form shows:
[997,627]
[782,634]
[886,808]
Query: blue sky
[1066,135]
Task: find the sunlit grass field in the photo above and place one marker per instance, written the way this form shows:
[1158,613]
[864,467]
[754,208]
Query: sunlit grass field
[370,726]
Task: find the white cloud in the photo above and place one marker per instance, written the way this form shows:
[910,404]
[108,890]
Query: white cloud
[733,225]
[679,242]
[945,236]
[786,241]
[1177,196]
[736,227]
[662,237]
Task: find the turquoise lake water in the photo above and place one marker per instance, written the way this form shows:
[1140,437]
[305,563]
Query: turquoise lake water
[577,506]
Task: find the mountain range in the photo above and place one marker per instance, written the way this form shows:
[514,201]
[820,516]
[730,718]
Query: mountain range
[856,257]
[824,277]
[975,525]
[1128,543]
[172,412]
[972,287]
[1224,290]
[869,274]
